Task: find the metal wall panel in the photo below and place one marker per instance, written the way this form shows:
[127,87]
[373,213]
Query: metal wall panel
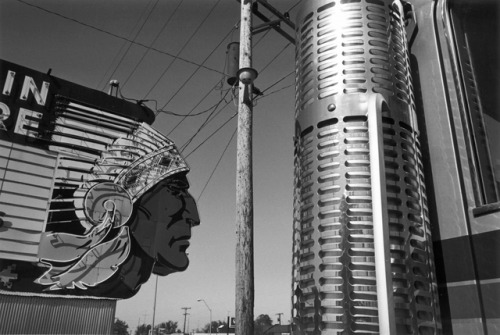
[24,314]
[466,233]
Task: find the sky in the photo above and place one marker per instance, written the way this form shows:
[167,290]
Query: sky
[177,61]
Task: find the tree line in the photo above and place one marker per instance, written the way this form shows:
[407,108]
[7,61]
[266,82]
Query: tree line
[120,327]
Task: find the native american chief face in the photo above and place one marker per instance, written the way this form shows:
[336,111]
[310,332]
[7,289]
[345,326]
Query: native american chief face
[163,223]
[115,216]
[93,200]
[136,214]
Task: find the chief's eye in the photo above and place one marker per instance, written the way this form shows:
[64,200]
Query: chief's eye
[177,186]
[145,211]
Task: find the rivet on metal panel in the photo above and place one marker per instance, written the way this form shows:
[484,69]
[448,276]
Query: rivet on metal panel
[331,107]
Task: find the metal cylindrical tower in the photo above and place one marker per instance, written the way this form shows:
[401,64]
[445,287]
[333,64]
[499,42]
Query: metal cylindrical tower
[363,259]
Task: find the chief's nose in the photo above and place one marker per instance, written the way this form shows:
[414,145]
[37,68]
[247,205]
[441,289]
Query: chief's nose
[191,213]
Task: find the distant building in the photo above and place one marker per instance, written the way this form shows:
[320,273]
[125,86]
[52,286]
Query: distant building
[278,330]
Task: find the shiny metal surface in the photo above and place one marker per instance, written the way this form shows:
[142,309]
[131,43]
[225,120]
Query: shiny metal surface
[347,53]
[465,232]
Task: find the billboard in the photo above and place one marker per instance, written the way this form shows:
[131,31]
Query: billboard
[92,198]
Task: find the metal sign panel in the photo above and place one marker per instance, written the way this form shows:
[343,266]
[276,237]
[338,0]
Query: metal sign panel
[93,199]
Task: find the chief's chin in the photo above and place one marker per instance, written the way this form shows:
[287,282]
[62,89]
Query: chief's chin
[165,267]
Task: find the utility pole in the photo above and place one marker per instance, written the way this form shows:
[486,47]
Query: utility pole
[185,315]
[154,307]
[279,317]
[244,180]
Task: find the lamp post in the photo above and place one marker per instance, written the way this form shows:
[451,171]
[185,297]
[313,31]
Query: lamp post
[210,324]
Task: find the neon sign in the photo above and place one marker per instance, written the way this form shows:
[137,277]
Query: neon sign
[93,200]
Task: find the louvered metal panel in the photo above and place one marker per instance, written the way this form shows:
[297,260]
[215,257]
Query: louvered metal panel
[353,80]
[25,314]
[25,190]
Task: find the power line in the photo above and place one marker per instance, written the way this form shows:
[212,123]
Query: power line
[189,114]
[153,42]
[210,136]
[186,81]
[135,37]
[275,57]
[291,8]
[278,81]
[118,36]
[195,71]
[230,32]
[216,165]
[281,89]
[204,123]
[229,142]
[122,47]
[199,102]
[206,58]
[183,47]
[227,121]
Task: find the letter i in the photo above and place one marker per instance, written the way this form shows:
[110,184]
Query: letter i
[7,88]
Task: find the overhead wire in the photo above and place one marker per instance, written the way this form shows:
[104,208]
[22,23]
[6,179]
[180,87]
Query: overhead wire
[183,47]
[271,61]
[280,89]
[278,81]
[202,125]
[190,112]
[195,114]
[118,36]
[234,132]
[192,75]
[124,44]
[130,44]
[210,136]
[176,57]
[291,8]
[153,42]
[216,165]
[275,57]
[232,30]
[232,116]
[197,69]
[212,89]
[213,109]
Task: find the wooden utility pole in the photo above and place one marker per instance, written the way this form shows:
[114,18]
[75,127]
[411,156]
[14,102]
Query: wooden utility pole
[244,187]
[185,315]
[279,317]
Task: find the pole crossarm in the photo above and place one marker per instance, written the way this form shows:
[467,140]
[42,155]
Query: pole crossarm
[265,26]
[283,17]
[268,23]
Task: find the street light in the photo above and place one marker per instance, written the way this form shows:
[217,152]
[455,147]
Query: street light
[210,324]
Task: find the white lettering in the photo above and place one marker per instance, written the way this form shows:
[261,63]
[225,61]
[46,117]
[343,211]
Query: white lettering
[29,85]
[23,121]
[7,87]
